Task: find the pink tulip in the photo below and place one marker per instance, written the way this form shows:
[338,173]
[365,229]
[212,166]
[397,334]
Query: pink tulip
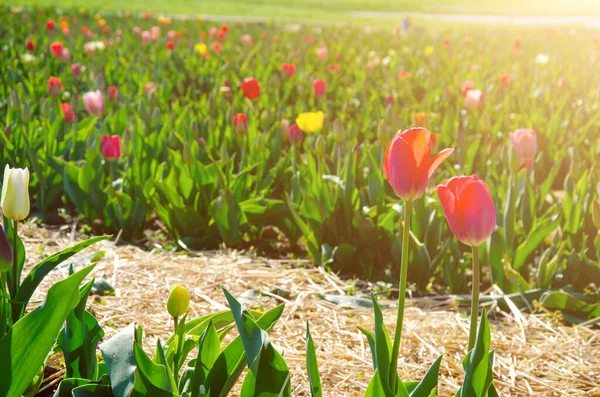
[137,30]
[407,163]
[473,99]
[146,36]
[469,208]
[322,53]
[154,33]
[76,69]
[149,88]
[524,141]
[94,102]
[247,40]
[110,147]
[319,87]
[295,134]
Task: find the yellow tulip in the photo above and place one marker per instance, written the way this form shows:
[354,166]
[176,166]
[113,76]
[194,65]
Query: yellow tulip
[201,48]
[310,122]
[178,302]
[15,193]
[429,50]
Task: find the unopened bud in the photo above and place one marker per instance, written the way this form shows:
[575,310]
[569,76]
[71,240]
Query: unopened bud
[178,302]
[320,145]
[285,128]
[15,102]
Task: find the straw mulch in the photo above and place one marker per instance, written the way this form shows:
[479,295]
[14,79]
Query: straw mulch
[536,355]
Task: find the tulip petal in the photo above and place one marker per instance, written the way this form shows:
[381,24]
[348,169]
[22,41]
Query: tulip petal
[448,201]
[400,167]
[438,158]
[475,212]
[419,139]
[458,183]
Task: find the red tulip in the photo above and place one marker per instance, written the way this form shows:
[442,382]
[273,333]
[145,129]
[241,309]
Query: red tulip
[319,87]
[50,25]
[295,134]
[110,147]
[54,87]
[251,88]
[224,28]
[407,163]
[289,69]
[335,68]
[467,86]
[505,80]
[469,208]
[56,49]
[216,47]
[68,114]
[446,42]
[112,93]
[402,75]
[170,45]
[30,46]
[524,141]
[240,124]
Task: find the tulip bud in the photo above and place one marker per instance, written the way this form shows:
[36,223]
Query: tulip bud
[338,131]
[187,153]
[26,113]
[320,145]
[142,110]
[5,252]
[596,214]
[15,193]
[178,302]
[295,134]
[194,128]
[54,87]
[240,124]
[15,103]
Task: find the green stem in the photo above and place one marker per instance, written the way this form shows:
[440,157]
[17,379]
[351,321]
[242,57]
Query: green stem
[176,355]
[474,299]
[3,319]
[15,265]
[401,292]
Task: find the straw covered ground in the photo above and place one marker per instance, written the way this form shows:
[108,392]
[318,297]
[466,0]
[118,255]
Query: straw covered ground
[536,355]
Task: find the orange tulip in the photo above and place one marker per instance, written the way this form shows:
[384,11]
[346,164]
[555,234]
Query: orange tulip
[407,163]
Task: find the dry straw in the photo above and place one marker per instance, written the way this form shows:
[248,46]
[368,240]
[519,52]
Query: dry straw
[536,354]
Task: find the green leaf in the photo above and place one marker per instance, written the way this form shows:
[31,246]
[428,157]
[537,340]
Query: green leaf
[312,367]
[25,347]
[37,274]
[120,360]
[383,349]
[231,361]
[540,231]
[79,339]
[208,352]
[478,369]
[268,373]
[429,383]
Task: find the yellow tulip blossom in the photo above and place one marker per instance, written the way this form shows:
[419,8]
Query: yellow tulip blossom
[310,122]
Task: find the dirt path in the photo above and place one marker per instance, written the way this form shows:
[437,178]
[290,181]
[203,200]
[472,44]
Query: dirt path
[536,355]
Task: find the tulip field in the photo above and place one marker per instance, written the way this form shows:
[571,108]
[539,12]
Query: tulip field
[421,160]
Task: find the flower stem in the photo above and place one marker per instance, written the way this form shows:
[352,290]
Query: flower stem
[15,264]
[474,299]
[3,319]
[401,291]
[176,355]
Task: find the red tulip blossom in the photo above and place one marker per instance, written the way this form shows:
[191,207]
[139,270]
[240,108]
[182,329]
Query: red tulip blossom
[407,163]
[50,25]
[295,135]
[289,69]
[110,147]
[319,87]
[240,124]
[68,114]
[30,46]
[112,93]
[335,68]
[505,80]
[56,49]
[469,208]
[170,45]
[251,88]
[54,87]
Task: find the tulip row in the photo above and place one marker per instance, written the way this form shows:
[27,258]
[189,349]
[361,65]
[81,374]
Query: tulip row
[201,149]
